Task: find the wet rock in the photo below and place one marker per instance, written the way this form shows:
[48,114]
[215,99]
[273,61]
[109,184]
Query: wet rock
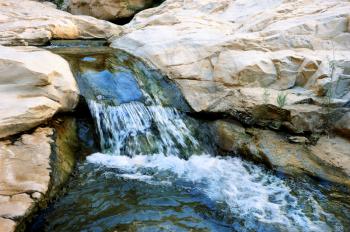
[328,159]
[342,127]
[48,156]
[234,56]
[34,85]
[108,9]
[34,23]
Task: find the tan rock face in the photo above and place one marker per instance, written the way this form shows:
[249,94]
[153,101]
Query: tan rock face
[329,159]
[7,225]
[34,23]
[107,9]
[34,85]
[24,169]
[232,56]
[33,167]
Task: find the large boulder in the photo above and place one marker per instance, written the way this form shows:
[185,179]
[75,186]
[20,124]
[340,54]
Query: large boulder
[328,159]
[34,85]
[34,23]
[108,9]
[240,57]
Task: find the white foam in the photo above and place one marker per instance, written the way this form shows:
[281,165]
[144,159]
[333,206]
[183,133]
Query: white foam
[249,192]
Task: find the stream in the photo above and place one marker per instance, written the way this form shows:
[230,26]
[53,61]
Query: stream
[158,169]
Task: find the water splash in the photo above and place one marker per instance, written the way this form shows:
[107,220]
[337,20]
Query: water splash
[256,200]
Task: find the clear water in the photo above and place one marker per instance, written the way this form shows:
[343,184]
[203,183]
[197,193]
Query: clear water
[157,172]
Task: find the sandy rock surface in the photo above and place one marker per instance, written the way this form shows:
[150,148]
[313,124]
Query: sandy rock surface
[33,23]
[107,9]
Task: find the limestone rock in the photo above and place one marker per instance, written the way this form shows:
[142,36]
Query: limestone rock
[107,9]
[329,159]
[34,85]
[34,23]
[233,56]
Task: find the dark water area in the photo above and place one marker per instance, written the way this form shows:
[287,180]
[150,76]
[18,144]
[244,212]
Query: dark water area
[158,169]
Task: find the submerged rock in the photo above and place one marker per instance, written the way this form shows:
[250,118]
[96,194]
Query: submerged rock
[328,159]
[48,156]
[234,56]
[108,9]
[34,23]
[34,85]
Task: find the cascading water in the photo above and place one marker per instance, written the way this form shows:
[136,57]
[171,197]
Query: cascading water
[254,198]
[133,128]
[155,173]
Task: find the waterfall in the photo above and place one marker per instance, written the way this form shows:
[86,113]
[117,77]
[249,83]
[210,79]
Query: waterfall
[135,129]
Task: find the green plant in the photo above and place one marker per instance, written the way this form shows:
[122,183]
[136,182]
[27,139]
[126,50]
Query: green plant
[282,99]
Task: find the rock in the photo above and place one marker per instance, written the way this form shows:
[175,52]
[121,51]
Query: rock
[108,9]
[31,152]
[334,153]
[48,157]
[329,159]
[33,23]
[7,225]
[342,127]
[235,56]
[34,85]
[298,139]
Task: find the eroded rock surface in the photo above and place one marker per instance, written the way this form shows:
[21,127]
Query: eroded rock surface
[34,85]
[107,9]
[328,159]
[237,57]
[34,23]
[33,167]
[24,171]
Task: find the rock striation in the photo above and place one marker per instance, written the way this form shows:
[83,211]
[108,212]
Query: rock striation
[34,85]
[240,57]
[34,23]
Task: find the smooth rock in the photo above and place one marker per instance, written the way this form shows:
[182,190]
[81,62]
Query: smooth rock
[108,9]
[7,225]
[34,85]
[233,56]
[33,23]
